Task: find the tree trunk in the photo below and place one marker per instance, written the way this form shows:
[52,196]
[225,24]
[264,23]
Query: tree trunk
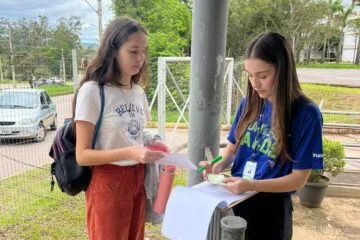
[357,59]
[63,65]
[293,40]
[323,56]
[340,48]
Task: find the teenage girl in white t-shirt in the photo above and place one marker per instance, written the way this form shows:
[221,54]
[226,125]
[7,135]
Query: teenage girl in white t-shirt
[115,198]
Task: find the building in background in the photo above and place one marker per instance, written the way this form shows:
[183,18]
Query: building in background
[351,39]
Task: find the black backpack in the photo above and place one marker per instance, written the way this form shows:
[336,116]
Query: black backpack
[71,178]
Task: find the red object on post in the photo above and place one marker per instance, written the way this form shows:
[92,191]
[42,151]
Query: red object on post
[166,180]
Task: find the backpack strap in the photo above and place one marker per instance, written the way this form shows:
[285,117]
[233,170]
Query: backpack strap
[98,124]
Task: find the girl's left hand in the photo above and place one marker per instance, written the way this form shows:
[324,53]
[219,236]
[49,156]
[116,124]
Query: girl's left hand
[237,185]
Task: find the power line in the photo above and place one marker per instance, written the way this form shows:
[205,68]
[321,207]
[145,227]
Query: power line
[100,15]
[91,6]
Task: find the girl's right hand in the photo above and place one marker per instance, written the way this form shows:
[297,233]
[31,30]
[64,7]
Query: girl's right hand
[214,169]
[144,155]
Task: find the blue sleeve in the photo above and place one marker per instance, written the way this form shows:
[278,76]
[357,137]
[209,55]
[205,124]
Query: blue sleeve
[231,136]
[307,140]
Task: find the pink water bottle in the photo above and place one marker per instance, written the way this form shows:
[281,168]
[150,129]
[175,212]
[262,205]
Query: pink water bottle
[166,180]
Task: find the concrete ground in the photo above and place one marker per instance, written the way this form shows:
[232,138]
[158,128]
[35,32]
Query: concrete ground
[345,77]
[336,219]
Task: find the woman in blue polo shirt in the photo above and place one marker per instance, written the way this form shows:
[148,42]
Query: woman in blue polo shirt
[274,142]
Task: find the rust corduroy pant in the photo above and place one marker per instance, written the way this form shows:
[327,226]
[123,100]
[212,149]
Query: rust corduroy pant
[115,203]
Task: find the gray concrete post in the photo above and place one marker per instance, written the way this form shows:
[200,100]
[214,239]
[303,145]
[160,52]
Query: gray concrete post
[209,29]
[233,228]
[75,70]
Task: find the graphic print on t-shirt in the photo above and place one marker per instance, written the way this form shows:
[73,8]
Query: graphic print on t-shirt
[134,127]
[264,143]
[131,115]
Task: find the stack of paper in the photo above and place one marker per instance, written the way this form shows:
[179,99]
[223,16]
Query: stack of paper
[189,210]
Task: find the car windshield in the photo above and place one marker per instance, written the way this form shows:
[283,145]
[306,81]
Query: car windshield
[18,100]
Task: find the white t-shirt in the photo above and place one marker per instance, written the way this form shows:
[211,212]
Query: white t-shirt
[126,112]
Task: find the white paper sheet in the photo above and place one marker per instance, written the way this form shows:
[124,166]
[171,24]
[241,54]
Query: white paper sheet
[189,210]
[177,159]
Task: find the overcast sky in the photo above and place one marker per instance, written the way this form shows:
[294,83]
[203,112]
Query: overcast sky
[54,9]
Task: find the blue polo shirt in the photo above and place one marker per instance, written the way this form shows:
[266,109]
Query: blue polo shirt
[305,142]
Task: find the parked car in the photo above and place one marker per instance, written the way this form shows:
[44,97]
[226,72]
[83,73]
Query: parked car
[26,114]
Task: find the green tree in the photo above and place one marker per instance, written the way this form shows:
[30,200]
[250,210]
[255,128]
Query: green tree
[244,23]
[329,28]
[37,47]
[3,36]
[67,33]
[168,23]
[28,37]
[343,18]
[298,20]
[355,23]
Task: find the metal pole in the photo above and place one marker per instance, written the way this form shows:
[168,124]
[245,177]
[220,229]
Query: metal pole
[99,12]
[63,64]
[11,55]
[1,72]
[229,92]
[161,97]
[209,29]
[233,228]
[75,68]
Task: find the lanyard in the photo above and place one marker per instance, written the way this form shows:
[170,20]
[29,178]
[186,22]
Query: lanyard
[259,132]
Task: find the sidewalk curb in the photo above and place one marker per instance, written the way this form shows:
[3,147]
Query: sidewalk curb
[343,191]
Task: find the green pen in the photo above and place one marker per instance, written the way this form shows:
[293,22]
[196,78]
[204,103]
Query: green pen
[215,160]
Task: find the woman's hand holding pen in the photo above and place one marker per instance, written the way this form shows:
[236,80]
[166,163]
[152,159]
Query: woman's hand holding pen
[238,185]
[145,155]
[211,168]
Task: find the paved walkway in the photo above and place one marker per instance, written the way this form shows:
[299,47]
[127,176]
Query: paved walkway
[346,77]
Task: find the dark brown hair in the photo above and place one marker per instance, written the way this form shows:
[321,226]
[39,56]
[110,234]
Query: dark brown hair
[104,66]
[275,50]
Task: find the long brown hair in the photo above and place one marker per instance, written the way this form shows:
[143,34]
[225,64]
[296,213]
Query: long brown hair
[275,50]
[104,66]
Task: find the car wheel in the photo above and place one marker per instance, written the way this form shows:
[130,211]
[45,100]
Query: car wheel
[40,133]
[53,126]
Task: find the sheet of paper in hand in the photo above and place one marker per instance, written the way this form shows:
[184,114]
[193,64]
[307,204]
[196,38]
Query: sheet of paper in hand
[216,178]
[178,160]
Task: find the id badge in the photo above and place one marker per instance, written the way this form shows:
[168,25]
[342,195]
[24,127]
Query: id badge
[249,170]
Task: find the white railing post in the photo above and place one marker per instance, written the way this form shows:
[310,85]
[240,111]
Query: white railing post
[161,97]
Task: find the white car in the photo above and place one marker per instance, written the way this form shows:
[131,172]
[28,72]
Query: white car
[26,114]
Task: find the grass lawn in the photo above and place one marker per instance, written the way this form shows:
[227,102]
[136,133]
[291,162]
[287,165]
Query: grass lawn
[336,99]
[29,211]
[329,65]
[57,89]
[6,81]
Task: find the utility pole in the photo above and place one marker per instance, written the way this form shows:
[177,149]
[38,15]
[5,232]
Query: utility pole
[208,43]
[99,12]
[1,72]
[63,65]
[11,55]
